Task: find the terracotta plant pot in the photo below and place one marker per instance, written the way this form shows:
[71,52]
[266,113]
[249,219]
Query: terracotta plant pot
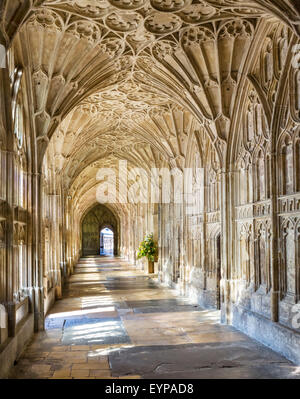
[150,267]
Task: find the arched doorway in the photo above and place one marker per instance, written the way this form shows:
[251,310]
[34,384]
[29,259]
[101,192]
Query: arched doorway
[95,220]
[106,241]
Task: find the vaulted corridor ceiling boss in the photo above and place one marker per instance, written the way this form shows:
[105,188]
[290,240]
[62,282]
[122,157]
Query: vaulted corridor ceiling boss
[177,118]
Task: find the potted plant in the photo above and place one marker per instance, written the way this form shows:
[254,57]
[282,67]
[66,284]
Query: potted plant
[148,249]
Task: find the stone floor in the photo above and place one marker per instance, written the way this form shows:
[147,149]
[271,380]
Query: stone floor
[115,322]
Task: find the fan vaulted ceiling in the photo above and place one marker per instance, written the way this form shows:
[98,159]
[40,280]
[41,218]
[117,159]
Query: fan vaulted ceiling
[130,79]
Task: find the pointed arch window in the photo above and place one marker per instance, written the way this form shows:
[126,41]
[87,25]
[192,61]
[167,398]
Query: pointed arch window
[19,125]
[17,106]
[19,138]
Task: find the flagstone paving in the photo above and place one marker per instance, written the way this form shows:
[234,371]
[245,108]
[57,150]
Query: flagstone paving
[116,322]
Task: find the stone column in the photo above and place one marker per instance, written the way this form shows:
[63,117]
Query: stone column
[205,221]
[37,265]
[155,228]
[9,224]
[56,266]
[10,270]
[274,242]
[226,261]
[29,242]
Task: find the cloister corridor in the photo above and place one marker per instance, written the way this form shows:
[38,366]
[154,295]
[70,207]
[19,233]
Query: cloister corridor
[115,321]
[174,127]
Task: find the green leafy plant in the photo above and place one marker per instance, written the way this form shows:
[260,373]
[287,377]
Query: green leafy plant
[147,248]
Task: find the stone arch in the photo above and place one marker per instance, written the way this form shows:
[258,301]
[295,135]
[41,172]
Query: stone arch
[94,220]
